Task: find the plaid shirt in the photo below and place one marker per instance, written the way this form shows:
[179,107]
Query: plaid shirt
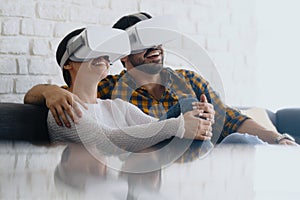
[178,84]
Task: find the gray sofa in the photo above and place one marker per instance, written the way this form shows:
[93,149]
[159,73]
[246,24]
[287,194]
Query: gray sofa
[23,122]
[28,122]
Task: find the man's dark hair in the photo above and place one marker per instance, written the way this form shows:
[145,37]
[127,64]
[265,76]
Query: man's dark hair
[61,50]
[130,20]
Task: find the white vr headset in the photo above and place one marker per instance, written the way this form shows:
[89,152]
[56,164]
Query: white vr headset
[94,42]
[152,32]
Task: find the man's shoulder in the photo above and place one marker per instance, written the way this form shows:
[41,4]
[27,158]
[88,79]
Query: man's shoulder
[185,73]
[190,75]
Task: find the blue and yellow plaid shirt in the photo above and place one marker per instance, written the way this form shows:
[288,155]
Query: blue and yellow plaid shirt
[178,84]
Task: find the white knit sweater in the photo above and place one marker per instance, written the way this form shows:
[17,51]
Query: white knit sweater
[114,126]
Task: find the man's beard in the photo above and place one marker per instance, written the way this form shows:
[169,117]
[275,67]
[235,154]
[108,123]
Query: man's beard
[149,68]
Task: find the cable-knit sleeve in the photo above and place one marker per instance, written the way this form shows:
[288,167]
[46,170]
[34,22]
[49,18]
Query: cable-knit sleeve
[112,141]
[138,137]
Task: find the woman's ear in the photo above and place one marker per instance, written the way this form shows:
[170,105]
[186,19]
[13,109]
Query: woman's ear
[68,66]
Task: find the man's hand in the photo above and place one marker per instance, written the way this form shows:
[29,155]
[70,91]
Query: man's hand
[195,127]
[287,142]
[59,100]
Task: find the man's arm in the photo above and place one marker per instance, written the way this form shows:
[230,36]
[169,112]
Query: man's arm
[234,121]
[35,94]
[251,127]
[57,100]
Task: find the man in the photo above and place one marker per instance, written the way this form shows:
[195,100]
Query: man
[154,89]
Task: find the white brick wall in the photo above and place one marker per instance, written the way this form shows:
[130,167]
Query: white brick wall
[36,27]
[52,10]
[8,66]
[6,85]
[14,45]
[30,31]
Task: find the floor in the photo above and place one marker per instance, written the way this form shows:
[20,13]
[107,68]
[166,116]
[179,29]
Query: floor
[230,172]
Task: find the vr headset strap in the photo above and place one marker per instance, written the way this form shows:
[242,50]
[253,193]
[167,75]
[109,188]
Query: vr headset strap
[140,16]
[73,47]
[64,59]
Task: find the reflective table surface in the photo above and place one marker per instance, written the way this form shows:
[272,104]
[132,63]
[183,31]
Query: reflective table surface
[30,171]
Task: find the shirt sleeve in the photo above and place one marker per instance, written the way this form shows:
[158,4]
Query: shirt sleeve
[227,119]
[117,140]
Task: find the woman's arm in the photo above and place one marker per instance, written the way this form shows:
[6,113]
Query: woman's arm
[139,137]
[115,140]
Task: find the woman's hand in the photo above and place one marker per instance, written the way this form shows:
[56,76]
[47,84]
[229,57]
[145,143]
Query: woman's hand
[195,127]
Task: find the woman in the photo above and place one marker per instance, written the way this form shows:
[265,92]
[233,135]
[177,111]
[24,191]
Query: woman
[113,125]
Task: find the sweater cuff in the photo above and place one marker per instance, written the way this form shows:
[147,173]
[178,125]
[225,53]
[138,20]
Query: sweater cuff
[181,129]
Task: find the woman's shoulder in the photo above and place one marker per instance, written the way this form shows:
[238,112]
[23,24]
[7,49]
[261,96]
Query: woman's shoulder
[121,103]
[112,101]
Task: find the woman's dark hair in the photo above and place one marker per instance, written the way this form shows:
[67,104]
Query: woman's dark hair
[62,47]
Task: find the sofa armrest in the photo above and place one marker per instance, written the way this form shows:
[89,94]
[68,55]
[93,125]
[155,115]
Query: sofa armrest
[288,121]
[272,117]
[23,122]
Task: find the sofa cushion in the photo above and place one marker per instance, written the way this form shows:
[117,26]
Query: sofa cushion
[261,116]
[288,121]
[23,122]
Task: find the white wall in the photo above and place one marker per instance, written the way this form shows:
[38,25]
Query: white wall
[278,51]
[31,30]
